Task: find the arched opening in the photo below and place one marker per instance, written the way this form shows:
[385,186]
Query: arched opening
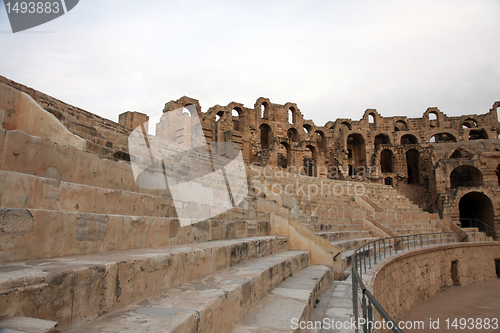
[386,161]
[291,115]
[293,134]
[476,211]
[498,173]
[309,161]
[264,110]
[433,119]
[382,139]
[388,181]
[413,166]
[460,153]
[442,138]
[345,126]
[321,141]
[466,176]
[400,126]
[372,121]
[265,136]
[235,113]
[219,116]
[283,155]
[356,144]
[469,123]
[308,128]
[352,171]
[409,139]
[478,134]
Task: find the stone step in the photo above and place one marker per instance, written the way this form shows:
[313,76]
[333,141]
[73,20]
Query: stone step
[352,244]
[295,297]
[345,235]
[28,325]
[77,289]
[213,303]
[328,227]
[54,233]
[411,231]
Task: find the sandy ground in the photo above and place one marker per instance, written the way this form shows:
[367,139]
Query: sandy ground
[477,300]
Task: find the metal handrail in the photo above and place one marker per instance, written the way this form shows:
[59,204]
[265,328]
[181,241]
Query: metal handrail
[489,229]
[373,251]
[413,195]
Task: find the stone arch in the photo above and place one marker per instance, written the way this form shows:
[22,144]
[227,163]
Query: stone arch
[219,115]
[460,153]
[264,110]
[236,114]
[321,140]
[266,136]
[433,119]
[469,123]
[466,176]
[409,139]
[309,161]
[387,161]
[356,144]
[292,114]
[413,166]
[443,137]
[382,139]
[400,125]
[284,155]
[308,128]
[293,134]
[477,205]
[478,134]
[346,125]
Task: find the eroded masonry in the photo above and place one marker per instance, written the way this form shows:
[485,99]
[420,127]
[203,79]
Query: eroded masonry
[84,248]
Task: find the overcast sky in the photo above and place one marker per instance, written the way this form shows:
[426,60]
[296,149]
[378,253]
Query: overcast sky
[333,58]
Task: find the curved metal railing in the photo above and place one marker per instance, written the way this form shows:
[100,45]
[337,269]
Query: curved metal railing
[374,252]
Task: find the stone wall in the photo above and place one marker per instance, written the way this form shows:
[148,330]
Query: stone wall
[416,275]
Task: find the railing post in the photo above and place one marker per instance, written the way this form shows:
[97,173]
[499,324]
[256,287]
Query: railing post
[355,300]
[363,306]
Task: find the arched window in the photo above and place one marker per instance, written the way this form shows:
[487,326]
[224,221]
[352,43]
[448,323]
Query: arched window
[291,115]
[346,126]
[235,113]
[469,123]
[321,141]
[293,134]
[371,118]
[356,144]
[265,136]
[309,161]
[433,119]
[382,139]
[308,128]
[219,115]
[264,110]
[466,176]
[442,138]
[478,134]
[408,139]
[400,126]
[283,155]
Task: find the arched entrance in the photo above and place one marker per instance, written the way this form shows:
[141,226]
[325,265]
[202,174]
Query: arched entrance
[476,205]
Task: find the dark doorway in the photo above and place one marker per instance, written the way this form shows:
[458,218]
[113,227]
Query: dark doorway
[386,161]
[265,136]
[476,210]
[413,166]
[455,277]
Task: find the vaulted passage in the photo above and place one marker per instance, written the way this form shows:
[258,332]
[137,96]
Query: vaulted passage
[476,210]
[265,136]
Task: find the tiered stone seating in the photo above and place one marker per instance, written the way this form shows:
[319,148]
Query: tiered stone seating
[80,240]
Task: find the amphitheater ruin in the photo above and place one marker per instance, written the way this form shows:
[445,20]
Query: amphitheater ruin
[84,248]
